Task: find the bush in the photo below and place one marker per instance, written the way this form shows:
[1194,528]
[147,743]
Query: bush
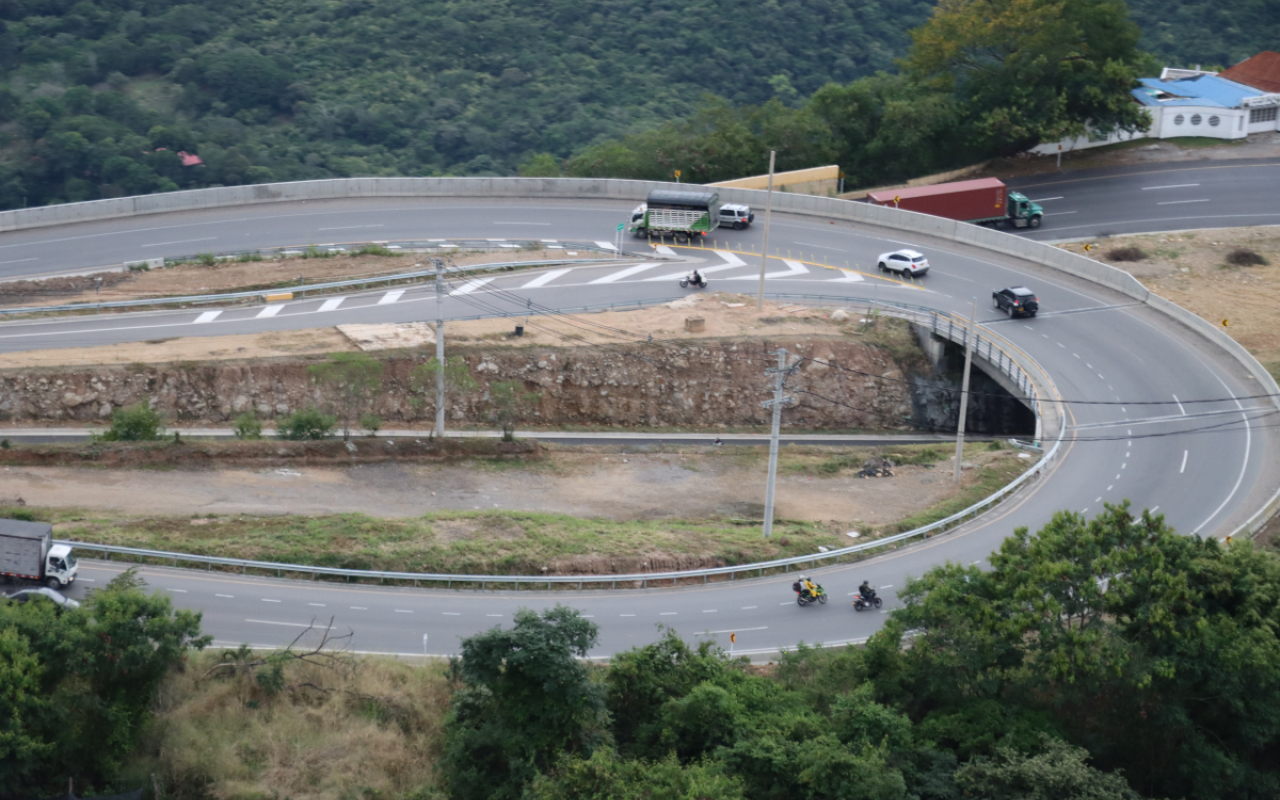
[1244,257]
[306,423]
[137,423]
[1127,253]
[206,259]
[375,250]
[248,426]
[371,423]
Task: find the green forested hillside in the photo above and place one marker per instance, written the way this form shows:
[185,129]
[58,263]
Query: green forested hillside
[97,97]
[1183,33]
[301,89]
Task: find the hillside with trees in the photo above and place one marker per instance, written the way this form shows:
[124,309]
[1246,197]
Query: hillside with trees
[97,98]
[980,80]
[1183,33]
[106,98]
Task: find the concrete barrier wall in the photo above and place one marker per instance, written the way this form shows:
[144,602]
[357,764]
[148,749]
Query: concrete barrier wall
[636,191]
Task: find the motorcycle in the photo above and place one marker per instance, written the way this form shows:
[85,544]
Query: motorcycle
[820,597]
[699,282]
[861,603]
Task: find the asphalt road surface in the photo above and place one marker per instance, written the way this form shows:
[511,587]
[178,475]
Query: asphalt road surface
[1152,412]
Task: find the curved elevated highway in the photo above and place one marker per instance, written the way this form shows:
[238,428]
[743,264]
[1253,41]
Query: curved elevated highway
[1156,413]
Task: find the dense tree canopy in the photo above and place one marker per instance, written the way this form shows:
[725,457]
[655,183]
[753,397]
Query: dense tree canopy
[98,96]
[1156,652]
[1183,33]
[76,685]
[1099,659]
[1031,71]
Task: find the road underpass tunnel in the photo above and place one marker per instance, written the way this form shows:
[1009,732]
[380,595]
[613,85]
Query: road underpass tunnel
[935,396]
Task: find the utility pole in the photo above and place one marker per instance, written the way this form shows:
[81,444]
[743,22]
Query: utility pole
[780,375]
[439,265]
[764,256]
[969,343]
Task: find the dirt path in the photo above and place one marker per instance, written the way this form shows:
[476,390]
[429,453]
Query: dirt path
[615,486]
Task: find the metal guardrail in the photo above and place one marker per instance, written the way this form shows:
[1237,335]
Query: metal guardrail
[201,299]
[939,323]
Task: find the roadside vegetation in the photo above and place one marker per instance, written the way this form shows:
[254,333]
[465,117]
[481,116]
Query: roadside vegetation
[1076,666]
[499,542]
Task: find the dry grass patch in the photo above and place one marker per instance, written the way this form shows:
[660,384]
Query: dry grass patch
[369,728]
[1226,274]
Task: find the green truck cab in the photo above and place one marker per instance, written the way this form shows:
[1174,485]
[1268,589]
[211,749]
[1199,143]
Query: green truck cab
[1022,212]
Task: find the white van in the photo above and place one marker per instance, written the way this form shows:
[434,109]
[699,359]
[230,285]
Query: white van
[736,216]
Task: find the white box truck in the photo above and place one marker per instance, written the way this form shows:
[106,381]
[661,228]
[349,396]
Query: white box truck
[27,553]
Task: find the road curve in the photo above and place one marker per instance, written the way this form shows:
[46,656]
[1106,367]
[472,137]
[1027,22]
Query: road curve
[1200,463]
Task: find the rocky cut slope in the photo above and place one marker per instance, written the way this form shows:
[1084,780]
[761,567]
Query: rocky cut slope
[838,385]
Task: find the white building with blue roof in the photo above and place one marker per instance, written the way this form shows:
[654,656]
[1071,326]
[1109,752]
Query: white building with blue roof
[1189,103]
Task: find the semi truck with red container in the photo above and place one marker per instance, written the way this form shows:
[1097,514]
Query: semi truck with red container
[986,201]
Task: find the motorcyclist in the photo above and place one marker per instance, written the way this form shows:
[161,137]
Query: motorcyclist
[867,592]
[696,280]
[810,588]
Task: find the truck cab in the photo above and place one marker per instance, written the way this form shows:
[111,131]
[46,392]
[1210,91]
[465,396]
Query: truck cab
[1024,213]
[61,565]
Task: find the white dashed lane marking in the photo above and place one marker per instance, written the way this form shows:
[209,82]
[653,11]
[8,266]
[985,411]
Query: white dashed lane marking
[331,304]
[208,316]
[270,311]
[391,297]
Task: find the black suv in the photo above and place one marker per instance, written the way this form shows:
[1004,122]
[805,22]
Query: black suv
[1016,300]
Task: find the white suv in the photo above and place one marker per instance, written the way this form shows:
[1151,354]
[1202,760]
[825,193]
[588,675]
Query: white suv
[736,215]
[904,262]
